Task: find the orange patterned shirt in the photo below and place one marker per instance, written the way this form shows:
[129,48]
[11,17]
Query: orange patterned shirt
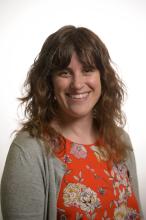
[92,187]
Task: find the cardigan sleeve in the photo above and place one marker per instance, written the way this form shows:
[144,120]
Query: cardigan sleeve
[22,185]
[131,164]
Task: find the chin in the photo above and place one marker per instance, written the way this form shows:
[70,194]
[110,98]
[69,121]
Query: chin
[78,114]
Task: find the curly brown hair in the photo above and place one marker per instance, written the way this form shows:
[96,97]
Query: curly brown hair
[55,55]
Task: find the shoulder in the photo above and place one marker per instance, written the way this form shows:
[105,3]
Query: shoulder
[130,159]
[125,138]
[26,160]
[25,140]
[28,147]
[28,142]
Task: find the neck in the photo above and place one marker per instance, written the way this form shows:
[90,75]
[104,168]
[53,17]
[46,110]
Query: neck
[79,130]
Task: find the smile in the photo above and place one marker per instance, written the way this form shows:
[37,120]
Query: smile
[78,96]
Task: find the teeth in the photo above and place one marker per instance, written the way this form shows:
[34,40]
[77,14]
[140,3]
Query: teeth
[79,96]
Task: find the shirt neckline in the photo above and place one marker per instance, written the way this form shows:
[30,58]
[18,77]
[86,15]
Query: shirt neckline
[67,140]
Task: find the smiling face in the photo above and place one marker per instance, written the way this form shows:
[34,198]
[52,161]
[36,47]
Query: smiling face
[76,89]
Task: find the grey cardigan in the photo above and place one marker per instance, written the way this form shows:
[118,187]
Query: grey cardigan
[31,180]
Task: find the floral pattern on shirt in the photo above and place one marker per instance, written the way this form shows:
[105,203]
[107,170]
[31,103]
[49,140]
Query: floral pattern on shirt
[91,189]
[118,175]
[80,196]
[78,150]
[100,153]
[124,213]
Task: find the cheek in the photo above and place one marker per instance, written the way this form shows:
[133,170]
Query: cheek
[96,84]
[59,86]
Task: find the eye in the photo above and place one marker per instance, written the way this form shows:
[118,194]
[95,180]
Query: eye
[88,70]
[64,73]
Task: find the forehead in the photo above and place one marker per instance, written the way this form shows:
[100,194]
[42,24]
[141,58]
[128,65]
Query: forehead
[74,62]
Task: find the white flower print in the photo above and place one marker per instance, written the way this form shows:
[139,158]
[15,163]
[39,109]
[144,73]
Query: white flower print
[88,200]
[80,196]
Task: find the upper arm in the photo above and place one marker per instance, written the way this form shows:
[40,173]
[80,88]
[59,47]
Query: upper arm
[22,188]
[131,164]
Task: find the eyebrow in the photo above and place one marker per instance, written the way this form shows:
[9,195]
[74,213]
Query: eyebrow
[82,69]
[69,69]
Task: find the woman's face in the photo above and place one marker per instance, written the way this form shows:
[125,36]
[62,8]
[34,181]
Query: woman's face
[76,89]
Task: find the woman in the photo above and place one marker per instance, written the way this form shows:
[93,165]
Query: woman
[72,158]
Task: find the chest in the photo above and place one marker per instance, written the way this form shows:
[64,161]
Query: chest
[92,186]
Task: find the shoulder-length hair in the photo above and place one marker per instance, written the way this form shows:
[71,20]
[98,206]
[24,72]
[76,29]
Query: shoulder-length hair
[55,55]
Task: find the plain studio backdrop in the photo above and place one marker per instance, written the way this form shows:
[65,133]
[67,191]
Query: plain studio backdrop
[25,24]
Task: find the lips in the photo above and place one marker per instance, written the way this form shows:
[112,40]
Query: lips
[78,96]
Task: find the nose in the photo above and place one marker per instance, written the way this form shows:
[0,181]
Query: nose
[77,81]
